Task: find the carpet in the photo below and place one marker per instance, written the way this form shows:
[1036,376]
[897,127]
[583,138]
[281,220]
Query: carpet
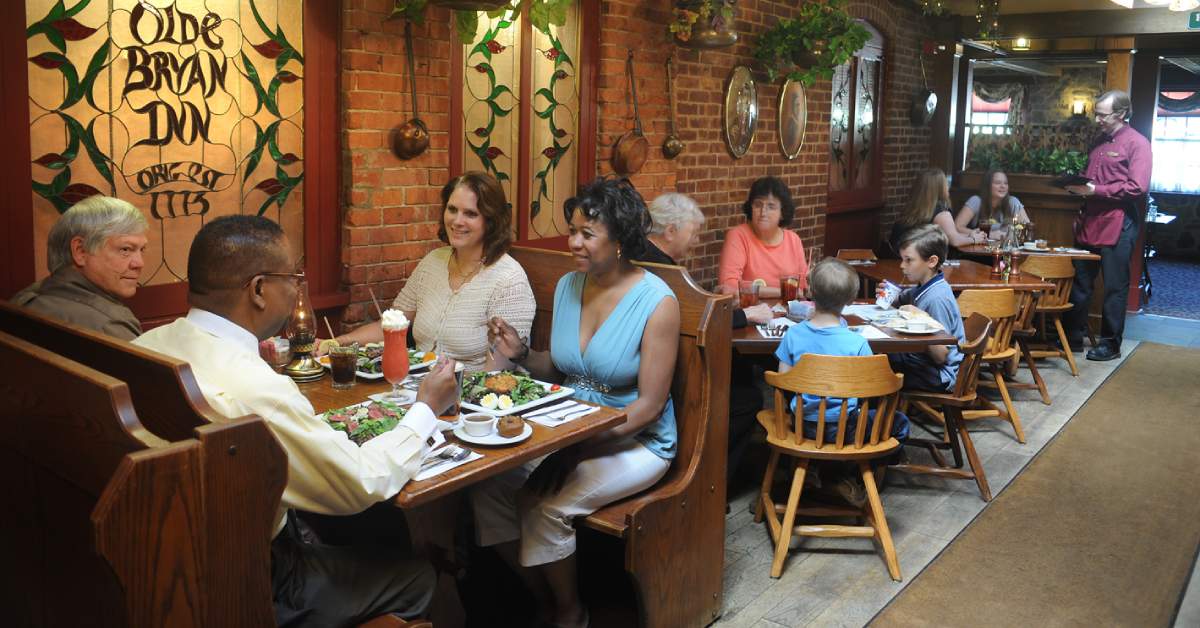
[1100,529]
[1174,292]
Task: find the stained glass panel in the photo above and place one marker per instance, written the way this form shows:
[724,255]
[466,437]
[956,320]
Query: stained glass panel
[189,109]
[555,123]
[865,110]
[839,131]
[491,84]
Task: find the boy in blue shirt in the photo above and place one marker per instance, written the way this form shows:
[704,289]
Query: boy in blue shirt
[922,251]
[832,284]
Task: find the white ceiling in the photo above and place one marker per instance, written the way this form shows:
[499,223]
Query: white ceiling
[967,7]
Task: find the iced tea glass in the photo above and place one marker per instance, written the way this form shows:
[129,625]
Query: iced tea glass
[343,362]
[789,287]
[747,294]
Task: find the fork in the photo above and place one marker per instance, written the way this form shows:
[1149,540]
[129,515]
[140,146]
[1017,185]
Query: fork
[774,331]
[450,452]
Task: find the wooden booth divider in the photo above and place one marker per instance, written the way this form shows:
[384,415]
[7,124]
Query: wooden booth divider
[674,533]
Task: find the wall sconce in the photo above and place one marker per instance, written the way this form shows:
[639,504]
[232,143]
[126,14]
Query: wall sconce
[1021,43]
[1078,107]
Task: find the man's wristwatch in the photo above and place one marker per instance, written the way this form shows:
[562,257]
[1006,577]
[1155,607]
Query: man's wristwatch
[520,357]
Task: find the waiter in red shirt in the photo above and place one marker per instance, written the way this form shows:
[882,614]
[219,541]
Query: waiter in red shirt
[1113,210]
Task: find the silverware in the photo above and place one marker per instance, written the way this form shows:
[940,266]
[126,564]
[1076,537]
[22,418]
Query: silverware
[571,416]
[773,331]
[450,452]
[554,408]
[578,409]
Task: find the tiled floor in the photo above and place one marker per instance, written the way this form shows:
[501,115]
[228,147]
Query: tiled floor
[844,582]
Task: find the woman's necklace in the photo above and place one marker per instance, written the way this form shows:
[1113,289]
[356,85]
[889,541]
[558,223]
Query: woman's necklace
[457,270]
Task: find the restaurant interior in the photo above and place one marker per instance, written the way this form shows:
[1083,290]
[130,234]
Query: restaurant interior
[1042,487]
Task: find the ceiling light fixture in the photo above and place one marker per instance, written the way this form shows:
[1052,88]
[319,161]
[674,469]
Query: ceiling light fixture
[1021,43]
[1157,3]
[1184,5]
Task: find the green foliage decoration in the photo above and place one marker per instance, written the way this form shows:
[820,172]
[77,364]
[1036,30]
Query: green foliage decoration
[542,15]
[823,30]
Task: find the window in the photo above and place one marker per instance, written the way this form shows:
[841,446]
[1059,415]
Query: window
[523,115]
[990,118]
[1176,143]
[855,167]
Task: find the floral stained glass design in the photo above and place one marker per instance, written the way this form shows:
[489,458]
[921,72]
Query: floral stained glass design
[492,110]
[864,121]
[839,132]
[188,109]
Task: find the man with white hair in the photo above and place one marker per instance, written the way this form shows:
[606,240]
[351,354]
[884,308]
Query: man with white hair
[94,253]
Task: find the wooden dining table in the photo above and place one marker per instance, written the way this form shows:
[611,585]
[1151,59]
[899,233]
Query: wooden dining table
[748,341]
[495,460]
[984,252]
[960,275]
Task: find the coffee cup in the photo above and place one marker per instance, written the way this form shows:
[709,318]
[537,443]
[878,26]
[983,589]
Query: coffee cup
[479,424]
[888,293]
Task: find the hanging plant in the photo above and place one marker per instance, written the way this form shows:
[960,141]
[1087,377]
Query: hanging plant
[542,13]
[809,46]
[703,23]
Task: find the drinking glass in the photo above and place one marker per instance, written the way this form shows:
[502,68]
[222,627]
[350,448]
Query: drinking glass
[343,362]
[281,354]
[395,362]
[747,294]
[789,287]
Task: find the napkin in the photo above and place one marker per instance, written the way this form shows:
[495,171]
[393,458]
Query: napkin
[868,331]
[566,415]
[445,466]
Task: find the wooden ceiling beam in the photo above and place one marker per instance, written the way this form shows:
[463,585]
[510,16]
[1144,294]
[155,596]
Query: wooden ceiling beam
[1086,23]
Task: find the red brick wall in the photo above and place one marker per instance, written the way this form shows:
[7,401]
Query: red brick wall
[391,207]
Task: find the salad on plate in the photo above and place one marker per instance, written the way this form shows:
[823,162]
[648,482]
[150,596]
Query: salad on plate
[364,421]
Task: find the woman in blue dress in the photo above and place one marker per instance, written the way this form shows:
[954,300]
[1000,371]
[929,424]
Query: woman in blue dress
[613,339]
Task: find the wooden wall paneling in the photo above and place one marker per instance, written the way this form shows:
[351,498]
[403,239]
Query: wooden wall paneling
[18,268]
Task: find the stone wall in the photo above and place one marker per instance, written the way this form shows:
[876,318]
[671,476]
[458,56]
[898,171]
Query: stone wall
[391,207]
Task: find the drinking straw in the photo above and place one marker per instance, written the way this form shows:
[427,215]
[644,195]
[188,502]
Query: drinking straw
[375,301]
[329,327]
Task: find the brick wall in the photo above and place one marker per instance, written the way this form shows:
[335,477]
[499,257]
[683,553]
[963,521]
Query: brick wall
[391,207]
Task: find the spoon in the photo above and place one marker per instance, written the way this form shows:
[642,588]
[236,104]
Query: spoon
[412,137]
[672,145]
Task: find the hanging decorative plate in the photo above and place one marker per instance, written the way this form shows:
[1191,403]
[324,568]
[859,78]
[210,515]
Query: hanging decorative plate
[793,117]
[741,110]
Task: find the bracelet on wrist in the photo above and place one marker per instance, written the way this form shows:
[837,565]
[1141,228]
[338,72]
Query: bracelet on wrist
[522,356]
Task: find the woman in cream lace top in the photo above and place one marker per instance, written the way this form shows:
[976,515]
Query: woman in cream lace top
[456,289]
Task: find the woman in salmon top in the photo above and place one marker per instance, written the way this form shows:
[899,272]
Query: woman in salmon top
[762,248]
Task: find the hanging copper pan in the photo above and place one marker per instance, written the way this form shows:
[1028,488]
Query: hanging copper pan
[412,137]
[629,153]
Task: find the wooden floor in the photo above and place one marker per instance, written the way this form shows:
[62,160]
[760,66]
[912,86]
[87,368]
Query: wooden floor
[844,581]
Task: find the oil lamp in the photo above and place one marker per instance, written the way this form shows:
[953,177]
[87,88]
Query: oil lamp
[302,334]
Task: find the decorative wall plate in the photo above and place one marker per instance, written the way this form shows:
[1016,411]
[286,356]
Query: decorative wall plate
[741,110]
[793,117]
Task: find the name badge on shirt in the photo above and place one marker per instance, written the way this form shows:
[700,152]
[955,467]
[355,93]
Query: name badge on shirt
[1112,153]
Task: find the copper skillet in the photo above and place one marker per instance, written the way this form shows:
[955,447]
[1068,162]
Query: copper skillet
[629,153]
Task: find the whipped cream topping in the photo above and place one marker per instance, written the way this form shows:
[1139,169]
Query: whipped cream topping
[394,319]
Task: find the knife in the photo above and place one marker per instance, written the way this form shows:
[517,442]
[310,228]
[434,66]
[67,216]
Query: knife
[554,408]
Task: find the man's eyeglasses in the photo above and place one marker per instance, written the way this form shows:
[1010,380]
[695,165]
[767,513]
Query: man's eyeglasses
[295,277]
[1105,116]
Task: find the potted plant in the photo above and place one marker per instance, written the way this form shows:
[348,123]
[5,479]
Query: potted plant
[810,45]
[703,23]
[542,13]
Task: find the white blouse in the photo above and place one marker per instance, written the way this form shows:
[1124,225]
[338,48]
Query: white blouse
[455,322]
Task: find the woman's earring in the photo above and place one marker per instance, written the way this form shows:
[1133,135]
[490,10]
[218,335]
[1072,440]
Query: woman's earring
[618,251]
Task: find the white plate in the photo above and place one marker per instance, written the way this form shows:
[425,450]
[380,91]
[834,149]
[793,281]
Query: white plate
[920,332]
[494,438]
[1034,248]
[561,393]
[324,361]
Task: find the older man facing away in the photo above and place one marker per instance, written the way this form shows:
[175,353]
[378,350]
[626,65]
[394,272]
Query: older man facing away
[94,253]
[242,288]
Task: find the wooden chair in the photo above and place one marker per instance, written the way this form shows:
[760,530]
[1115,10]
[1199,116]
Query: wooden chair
[673,533]
[867,378]
[1051,306]
[1023,331]
[999,305]
[101,526]
[948,408]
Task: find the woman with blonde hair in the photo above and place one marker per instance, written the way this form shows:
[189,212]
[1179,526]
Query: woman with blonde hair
[929,203]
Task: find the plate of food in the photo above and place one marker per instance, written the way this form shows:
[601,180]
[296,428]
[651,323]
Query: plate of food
[501,434]
[370,360]
[364,421]
[504,392]
[916,325]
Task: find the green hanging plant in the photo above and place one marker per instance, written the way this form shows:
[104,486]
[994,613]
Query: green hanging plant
[542,13]
[809,46]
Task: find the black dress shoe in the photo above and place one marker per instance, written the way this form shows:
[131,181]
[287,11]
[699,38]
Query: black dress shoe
[1104,353]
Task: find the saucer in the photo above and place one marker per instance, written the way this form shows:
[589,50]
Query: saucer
[921,332]
[494,438]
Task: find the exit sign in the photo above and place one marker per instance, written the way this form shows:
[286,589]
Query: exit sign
[1194,21]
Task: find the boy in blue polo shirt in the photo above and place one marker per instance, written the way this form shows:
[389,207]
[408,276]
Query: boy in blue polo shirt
[832,284]
[922,251]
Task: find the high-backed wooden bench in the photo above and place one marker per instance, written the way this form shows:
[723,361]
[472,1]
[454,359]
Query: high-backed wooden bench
[243,466]
[97,530]
[674,533]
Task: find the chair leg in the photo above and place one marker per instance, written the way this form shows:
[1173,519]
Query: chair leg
[879,520]
[1062,337]
[764,495]
[1033,370]
[789,519]
[1008,404]
[954,416]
